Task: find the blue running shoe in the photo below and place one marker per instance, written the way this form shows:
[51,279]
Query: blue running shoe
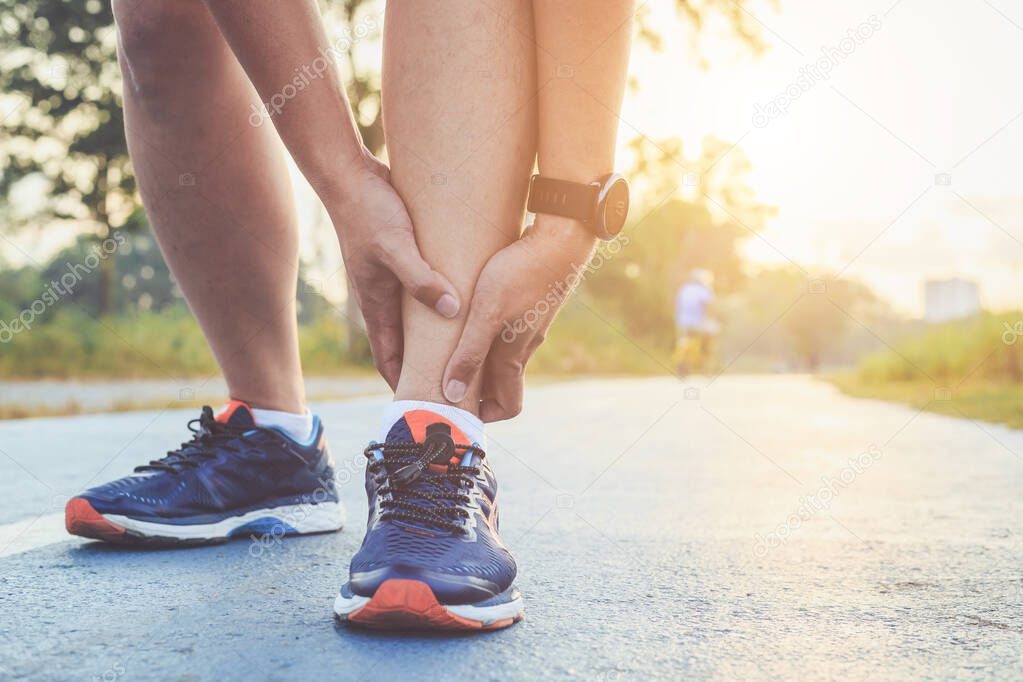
[232,479]
[432,557]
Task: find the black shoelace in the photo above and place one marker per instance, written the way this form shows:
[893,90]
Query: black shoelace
[210,437]
[413,492]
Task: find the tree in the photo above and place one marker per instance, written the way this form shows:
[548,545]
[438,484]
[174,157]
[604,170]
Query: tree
[64,130]
[687,215]
[819,321]
[796,319]
[736,18]
[63,127]
[363,86]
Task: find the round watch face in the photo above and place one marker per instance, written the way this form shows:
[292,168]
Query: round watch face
[614,207]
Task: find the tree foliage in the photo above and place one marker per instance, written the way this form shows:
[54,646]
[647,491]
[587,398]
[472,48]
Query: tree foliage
[63,154]
[63,125]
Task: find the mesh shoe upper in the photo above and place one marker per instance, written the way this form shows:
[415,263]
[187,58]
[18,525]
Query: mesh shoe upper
[432,515]
[229,466]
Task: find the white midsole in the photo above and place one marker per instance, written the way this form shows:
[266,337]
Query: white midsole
[303,518]
[344,606]
[488,614]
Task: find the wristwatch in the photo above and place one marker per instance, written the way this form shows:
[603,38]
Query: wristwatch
[601,206]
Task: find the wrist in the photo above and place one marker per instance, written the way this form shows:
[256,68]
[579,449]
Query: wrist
[347,177]
[601,205]
[568,235]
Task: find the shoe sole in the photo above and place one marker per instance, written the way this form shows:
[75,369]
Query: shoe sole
[411,605]
[82,519]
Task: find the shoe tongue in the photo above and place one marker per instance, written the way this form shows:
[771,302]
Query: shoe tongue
[415,426]
[236,413]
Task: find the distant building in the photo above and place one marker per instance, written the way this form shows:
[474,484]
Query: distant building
[950,299]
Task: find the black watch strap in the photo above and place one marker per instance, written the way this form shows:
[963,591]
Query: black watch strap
[575,200]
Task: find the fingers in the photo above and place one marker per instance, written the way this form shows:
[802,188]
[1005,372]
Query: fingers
[481,328]
[504,381]
[504,376]
[385,332]
[401,255]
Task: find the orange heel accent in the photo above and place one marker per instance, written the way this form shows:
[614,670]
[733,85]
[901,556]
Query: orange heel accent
[81,519]
[411,605]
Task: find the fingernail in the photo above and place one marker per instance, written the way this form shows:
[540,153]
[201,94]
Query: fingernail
[447,305]
[454,391]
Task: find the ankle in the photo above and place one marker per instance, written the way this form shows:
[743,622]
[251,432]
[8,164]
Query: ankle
[470,403]
[290,405]
[296,425]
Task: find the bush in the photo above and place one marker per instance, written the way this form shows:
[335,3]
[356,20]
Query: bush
[985,347]
[588,340]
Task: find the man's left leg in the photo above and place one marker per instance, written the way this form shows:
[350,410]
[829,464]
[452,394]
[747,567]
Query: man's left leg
[459,97]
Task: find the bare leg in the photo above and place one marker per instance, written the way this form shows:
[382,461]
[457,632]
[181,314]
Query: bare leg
[459,87]
[584,49]
[216,192]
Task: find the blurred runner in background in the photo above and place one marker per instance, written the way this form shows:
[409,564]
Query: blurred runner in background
[695,330]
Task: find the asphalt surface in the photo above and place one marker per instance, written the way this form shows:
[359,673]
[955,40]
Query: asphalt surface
[758,527]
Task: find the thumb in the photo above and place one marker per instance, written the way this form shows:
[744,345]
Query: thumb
[426,285]
[471,352]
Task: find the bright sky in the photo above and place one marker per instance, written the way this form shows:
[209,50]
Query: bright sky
[933,89]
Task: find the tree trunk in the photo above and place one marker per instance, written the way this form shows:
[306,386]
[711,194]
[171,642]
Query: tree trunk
[373,139]
[107,269]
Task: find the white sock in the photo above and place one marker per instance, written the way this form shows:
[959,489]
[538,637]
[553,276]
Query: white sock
[470,424]
[298,427]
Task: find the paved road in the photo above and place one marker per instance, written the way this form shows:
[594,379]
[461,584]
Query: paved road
[757,527]
[51,396]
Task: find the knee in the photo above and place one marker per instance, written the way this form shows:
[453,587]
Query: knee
[164,47]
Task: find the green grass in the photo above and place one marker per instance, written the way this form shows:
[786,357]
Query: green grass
[985,347]
[584,342]
[989,401]
[969,368]
[71,346]
[171,346]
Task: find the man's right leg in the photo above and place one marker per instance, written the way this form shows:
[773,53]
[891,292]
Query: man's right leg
[216,192]
[217,195]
